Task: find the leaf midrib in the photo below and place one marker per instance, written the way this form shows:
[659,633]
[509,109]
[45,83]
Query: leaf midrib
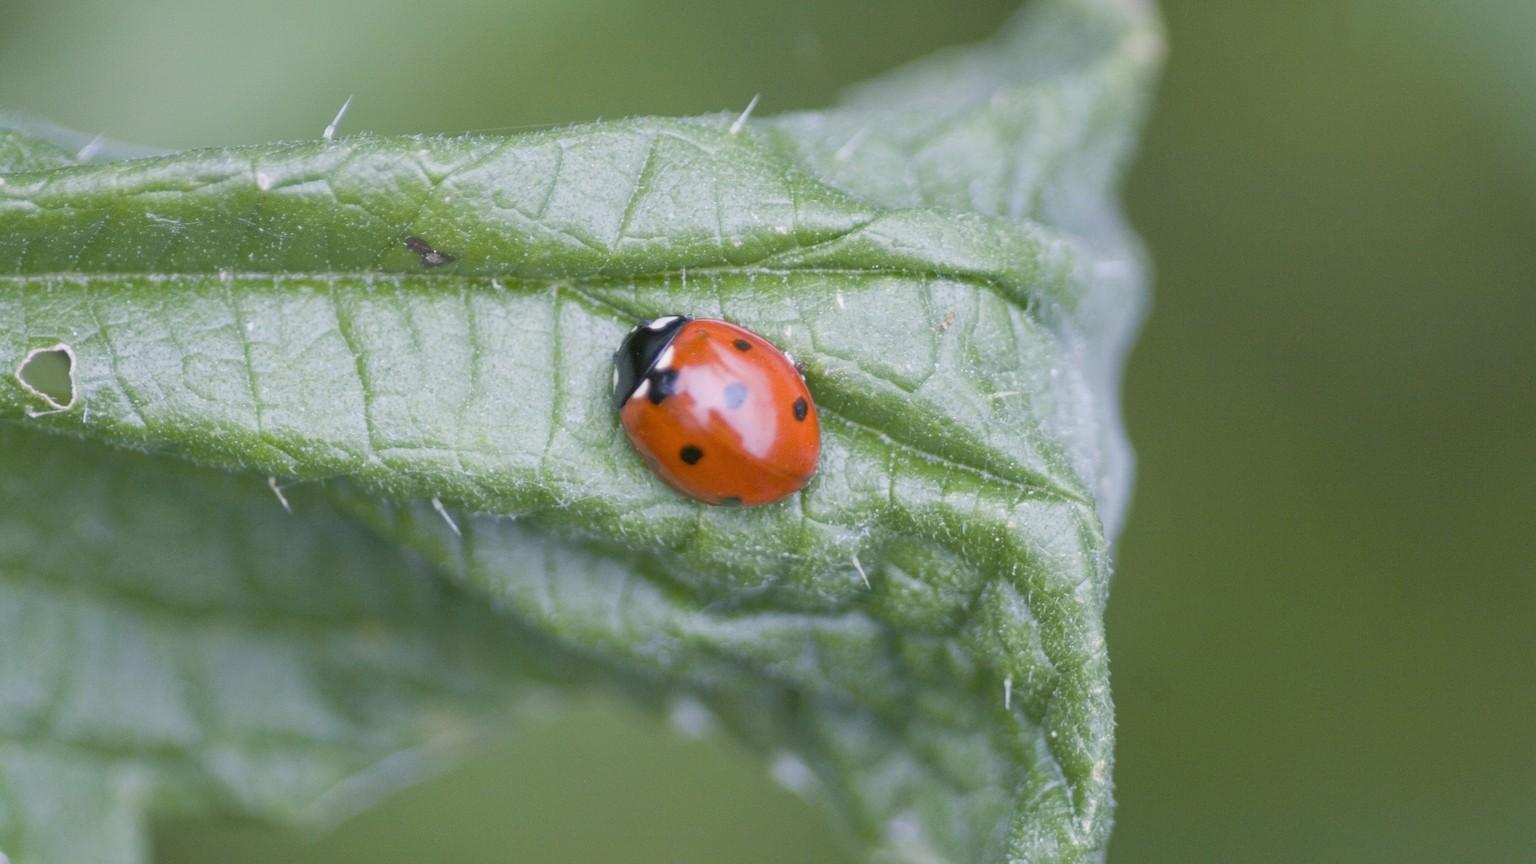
[1022,480]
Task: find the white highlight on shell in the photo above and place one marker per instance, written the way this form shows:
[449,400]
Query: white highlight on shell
[747,112]
[330,129]
[437,504]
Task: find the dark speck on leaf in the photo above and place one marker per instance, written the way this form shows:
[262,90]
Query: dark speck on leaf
[429,255]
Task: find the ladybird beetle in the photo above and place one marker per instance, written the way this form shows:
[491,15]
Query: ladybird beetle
[716,410]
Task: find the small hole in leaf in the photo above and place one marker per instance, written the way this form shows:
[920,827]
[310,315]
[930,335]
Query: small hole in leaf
[49,375]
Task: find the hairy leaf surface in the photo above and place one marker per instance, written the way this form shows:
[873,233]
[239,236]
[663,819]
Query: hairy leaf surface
[920,628]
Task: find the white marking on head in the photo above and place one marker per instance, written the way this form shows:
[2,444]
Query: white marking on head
[661,323]
[615,377]
[642,390]
[664,362]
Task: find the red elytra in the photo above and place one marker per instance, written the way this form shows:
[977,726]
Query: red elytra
[717,411]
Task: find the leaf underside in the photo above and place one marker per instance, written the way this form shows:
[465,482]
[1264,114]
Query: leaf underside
[248,332]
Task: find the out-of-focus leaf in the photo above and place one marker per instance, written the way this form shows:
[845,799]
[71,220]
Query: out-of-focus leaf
[174,639]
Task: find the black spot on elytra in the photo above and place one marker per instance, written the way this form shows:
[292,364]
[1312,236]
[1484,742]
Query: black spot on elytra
[690,454]
[801,408]
[663,384]
[735,394]
[742,345]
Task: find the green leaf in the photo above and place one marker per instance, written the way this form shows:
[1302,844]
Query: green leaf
[233,657]
[943,253]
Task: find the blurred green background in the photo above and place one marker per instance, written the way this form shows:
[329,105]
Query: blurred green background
[1323,626]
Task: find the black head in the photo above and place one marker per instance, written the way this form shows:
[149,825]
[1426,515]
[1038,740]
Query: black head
[638,353]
